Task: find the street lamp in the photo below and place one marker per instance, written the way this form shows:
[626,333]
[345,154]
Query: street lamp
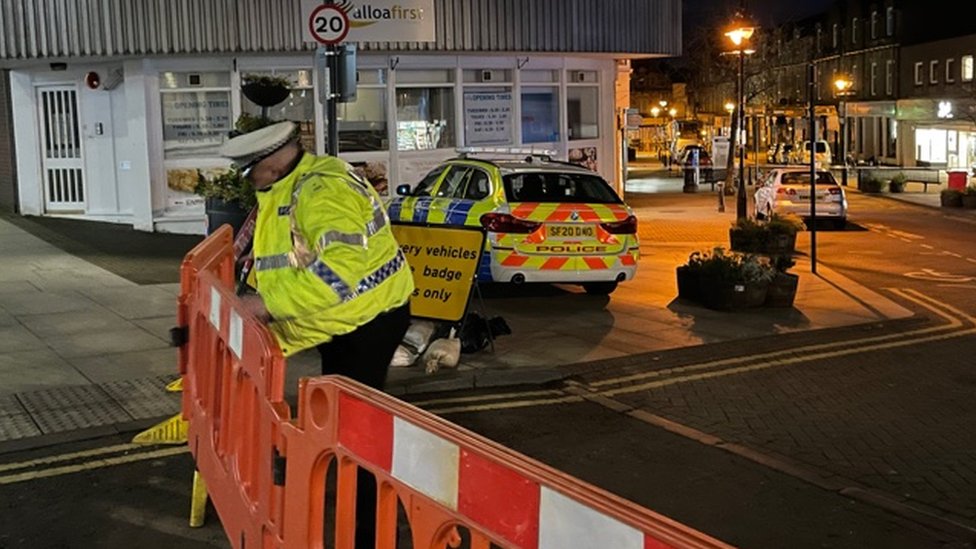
[655,111]
[663,103]
[843,86]
[673,112]
[739,32]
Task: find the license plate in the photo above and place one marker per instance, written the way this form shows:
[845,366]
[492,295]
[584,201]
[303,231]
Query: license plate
[804,196]
[571,231]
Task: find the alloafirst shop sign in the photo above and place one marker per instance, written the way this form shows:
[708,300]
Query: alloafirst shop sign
[383,20]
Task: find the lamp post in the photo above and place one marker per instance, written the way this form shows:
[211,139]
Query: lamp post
[843,86]
[739,33]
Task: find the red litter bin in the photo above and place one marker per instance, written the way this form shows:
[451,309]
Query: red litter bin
[957,179]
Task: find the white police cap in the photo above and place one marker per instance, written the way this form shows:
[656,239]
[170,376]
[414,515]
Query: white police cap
[253,146]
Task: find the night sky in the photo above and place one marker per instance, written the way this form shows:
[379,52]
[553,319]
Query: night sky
[765,12]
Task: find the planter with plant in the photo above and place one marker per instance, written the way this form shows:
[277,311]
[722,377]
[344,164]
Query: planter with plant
[229,198]
[781,291]
[731,281]
[781,231]
[897,183]
[265,90]
[951,198]
[969,197]
[871,184]
[689,276]
[747,235]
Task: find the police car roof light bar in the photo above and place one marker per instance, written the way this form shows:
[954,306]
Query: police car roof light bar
[542,154]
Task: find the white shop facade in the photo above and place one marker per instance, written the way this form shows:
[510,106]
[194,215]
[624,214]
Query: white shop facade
[122,138]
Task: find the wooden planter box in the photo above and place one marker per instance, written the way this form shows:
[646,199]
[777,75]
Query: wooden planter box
[220,212]
[780,244]
[689,286]
[745,241]
[782,290]
[969,201]
[727,296]
[951,201]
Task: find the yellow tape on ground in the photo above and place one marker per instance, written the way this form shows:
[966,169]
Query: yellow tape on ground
[175,386]
[171,431]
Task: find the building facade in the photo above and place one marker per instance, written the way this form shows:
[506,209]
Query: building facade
[109,109]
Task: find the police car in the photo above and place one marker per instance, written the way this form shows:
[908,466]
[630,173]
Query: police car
[546,221]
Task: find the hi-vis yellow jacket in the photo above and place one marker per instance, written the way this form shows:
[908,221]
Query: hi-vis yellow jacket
[325,258]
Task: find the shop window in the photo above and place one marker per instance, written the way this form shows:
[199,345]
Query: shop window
[967,68]
[892,137]
[918,73]
[934,71]
[890,77]
[874,79]
[532,77]
[931,145]
[298,107]
[950,71]
[540,114]
[196,113]
[583,106]
[363,123]
[487,115]
[425,117]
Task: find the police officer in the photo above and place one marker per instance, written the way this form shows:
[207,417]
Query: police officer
[329,273]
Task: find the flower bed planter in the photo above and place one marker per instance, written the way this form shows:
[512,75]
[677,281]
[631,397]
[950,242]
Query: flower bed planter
[745,241]
[782,290]
[780,243]
[725,295]
[969,201]
[264,95]
[220,212]
[951,199]
[688,284]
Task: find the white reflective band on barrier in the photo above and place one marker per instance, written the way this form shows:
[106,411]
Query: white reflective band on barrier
[215,308]
[426,462]
[566,524]
[236,340]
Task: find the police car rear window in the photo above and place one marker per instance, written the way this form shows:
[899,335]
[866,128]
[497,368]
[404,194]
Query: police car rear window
[558,187]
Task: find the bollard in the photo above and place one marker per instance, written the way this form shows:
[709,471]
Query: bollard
[198,501]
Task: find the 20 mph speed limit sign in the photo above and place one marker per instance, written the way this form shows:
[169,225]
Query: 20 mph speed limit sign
[328,24]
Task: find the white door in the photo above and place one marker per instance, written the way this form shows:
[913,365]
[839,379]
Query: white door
[62,162]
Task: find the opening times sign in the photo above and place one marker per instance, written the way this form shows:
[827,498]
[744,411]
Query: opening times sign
[487,118]
[444,262]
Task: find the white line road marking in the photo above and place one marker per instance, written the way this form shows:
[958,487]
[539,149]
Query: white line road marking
[91,465]
[938,276]
[928,246]
[971,260]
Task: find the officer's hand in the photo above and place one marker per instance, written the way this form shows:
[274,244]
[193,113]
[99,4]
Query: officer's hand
[255,305]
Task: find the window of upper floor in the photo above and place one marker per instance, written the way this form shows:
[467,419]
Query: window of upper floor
[967,68]
[819,38]
[918,73]
[890,21]
[874,79]
[950,71]
[890,77]
[854,23]
[874,25]
[934,71]
[836,34]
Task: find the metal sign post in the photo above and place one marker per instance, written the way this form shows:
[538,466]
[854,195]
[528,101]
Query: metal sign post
[812,141]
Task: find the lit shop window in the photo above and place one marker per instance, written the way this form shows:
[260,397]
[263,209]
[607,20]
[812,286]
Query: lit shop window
[363,122]
[196,113]
[425,110]
[582,104]
[298,107]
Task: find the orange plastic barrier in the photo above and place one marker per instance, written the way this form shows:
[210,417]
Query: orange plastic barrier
[268,475]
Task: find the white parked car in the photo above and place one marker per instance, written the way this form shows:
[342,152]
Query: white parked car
[822,156]
[785,190]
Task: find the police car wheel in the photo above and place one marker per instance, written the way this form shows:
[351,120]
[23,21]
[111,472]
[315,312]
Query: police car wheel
[599,288]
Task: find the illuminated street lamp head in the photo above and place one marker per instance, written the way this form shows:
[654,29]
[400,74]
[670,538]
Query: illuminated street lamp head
[843,84]
[740,30]
[663,103]
[673,111]
[655,111]
[729,106]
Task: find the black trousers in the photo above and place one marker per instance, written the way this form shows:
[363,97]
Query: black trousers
[364,355]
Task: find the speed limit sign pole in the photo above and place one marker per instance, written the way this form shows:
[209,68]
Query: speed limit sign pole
[329,24]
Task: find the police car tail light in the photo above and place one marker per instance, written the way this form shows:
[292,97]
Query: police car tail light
[627,226]
[834,190]
[783,190]
[507,223]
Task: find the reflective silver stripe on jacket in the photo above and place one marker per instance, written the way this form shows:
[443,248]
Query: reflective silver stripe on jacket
[270,262]
[353,239]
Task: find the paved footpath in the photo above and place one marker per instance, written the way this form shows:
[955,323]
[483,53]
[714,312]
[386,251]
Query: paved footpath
[84,350]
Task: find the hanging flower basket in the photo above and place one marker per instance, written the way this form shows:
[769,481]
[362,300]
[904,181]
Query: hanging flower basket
[265,91]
